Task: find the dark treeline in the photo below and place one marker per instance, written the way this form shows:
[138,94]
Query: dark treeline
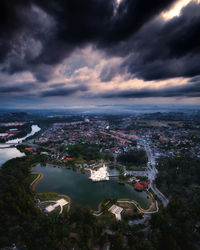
[175,227]
[172,228]
[85,152]
[179,176]
[134,157]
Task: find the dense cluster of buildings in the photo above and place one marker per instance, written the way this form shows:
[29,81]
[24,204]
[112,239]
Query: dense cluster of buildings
[116,137]
[9,130]
[172,142]
[62,135]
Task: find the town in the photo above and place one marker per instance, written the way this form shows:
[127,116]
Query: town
[121,154]
[131,145]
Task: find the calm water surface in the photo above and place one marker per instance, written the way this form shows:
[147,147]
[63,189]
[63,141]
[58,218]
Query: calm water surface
[82,190]
[9,153]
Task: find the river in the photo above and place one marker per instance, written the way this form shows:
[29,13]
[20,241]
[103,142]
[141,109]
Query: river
[7,152]
[34,130]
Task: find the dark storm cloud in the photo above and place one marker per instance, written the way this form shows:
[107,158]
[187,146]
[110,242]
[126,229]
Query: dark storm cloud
[131,15]
[24,31]
[195,79]
[163,49]
[43,32]
[57,85]
[188,90]
[98,20]
[35,35]
[17,89]
[63,91]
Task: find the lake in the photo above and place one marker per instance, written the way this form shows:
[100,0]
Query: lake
[82,190]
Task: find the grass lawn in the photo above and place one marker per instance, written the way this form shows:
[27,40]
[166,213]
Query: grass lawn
[51,196]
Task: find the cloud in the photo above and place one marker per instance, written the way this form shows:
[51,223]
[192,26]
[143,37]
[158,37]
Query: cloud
[186,90]
[63,91]
[132,15]
[57,85]
[16,89]
[162,49]
[24,31]
[195,79]
[78,48]
[42,33]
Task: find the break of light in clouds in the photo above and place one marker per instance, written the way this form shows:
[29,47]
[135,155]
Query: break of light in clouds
[56,54]
[176,8]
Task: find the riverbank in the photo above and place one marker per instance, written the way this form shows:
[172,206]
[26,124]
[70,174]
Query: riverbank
[8,149]
[34,129]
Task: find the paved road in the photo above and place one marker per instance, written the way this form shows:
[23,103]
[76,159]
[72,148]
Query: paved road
[137,173]
[152,172]
[164,200]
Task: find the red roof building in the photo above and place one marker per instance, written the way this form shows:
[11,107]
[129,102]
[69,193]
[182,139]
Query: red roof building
[141,185]
[30,150]
[13,131]
[69,159]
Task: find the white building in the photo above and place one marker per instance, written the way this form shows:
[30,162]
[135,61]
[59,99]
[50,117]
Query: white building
[61,203]
[116,211]
[99,175]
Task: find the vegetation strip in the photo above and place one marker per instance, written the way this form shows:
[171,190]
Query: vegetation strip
[35,182]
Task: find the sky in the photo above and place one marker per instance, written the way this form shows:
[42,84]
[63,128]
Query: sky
[74,54]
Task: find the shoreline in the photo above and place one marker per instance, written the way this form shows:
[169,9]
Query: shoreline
[32,132]
[36,180]
[153,204]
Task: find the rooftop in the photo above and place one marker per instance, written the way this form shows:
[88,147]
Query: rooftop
[116,210]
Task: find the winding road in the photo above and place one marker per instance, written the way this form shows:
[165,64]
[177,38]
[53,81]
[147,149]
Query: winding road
[152,172]
[151,169]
